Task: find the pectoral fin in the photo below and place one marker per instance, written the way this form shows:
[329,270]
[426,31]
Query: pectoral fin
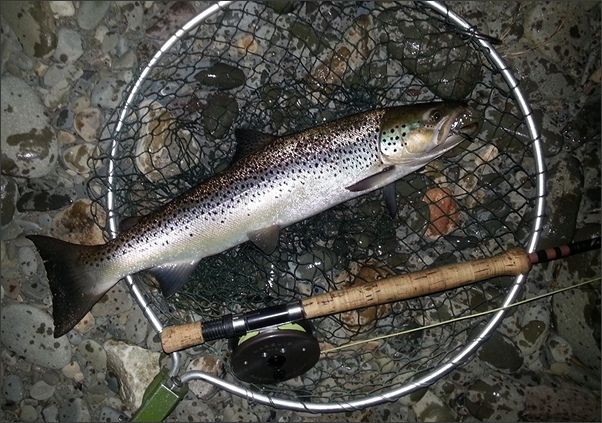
[172,276]
[373,181]
[390,196]
[266,239]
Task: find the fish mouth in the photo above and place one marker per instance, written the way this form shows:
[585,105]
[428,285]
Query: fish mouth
[459,125]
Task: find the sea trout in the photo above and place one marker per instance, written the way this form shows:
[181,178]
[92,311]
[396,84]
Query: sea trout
[272,183]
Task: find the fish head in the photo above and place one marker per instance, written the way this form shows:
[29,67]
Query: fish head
[415,135]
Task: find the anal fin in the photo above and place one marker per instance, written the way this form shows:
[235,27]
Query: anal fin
[373,181]
[266,239]
[172,276]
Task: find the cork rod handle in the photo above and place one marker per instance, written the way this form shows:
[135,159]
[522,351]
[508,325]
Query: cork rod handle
[396,288]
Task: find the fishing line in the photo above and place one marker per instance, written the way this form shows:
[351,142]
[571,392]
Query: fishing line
[457,319]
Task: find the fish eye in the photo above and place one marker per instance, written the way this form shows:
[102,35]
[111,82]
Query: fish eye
[436,115]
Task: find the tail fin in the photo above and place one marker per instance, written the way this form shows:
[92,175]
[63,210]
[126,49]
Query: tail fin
[75,285]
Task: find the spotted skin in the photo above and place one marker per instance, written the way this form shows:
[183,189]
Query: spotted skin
[288,180]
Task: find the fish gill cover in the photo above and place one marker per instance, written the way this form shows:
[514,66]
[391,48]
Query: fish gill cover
[281,67]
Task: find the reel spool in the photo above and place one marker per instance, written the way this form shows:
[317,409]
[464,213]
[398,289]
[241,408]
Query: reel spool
[274,354]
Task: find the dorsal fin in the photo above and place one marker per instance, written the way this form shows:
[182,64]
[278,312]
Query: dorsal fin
[249,141]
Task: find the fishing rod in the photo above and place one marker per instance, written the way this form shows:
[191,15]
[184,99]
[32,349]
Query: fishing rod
[273,343]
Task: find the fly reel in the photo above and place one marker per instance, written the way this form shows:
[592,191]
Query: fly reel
[274,354]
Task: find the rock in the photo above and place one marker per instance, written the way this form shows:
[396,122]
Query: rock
[108,414]
[33,24]
[501,353]
[135,367]
[444,212]
[174,17]
[8,199]
[87,123]
[561,403]
[107,93]
[75,158]
[207,364]
[195,411]
[116,301]
[430,408]
[41,391]
[221,76]
[63,120]
[86,324]
[90,13]
[28,260]
[29,148]
[221,112]
[134,15]
[74,410]
[69,47]
[62,8]
[73,371]
[59,79]
[51,414]
[30,334]
[130,326]
[281,6]
[77,224]
[12,389]
[91,354]
[574,316]
[28,413]
[163,150]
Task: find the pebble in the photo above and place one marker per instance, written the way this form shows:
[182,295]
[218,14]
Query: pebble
[501,353]
[74,410]
[8,199]
[91,354]
[221,76]
[90,13]
[430,408]
[62,8]
[76,224]
[41,391]
[86,324]
[30,334]
[107,93]
[116,301]
[73,371]
[69,47]
[108,414]
[29,147]
[134,15]
[51,414]
[130,326]
[135,367]
[34,26]
[76,158]
[12,389]
[173,18]
[87,122]
[28,413]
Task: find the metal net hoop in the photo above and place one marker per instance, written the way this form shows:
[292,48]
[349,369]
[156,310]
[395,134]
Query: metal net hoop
[285,72]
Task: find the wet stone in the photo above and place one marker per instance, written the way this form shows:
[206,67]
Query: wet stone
[29,148]
[116,301]
[219,115]
[221,76]
[69,47]
[108,414]
[501,353]
[76,224]
[134,15]
[281,6]
[12,389]
[34,26]
[90,13]
[41,391]
[8,199]
[207,364]
[42,200]
[30,334]
[91,354]
[130,326]
[62,8]
[64,119]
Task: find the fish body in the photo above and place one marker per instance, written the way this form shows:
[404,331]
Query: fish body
[273,183]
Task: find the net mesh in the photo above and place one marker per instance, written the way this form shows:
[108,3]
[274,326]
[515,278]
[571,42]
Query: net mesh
[253,66]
